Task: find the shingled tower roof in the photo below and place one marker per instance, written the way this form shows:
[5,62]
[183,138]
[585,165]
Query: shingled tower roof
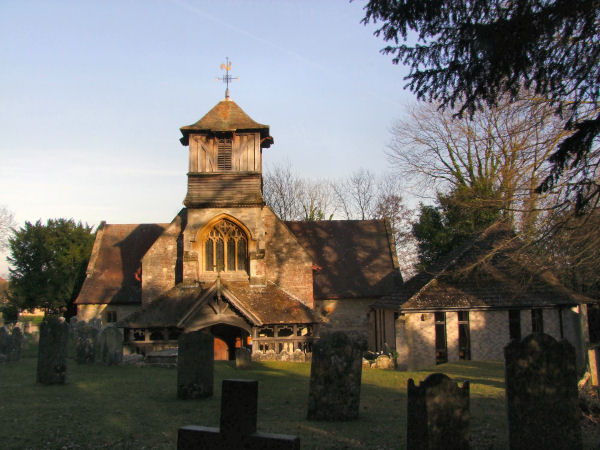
[226,116]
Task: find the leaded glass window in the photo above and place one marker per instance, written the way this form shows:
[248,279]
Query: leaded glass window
[225,248]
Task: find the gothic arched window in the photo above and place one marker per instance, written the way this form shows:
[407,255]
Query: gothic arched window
[225,248]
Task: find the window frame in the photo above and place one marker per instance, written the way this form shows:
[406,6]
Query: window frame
[441,337]
[224,154]
[111,316]
[225,246]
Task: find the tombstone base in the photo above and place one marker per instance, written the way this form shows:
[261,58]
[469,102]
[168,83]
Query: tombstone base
[192,437]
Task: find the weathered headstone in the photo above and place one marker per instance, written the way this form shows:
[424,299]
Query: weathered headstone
[243,358]
[195,365]
[4,343]
[111,345]
[437,414]
[238,424]
[85,338]
[541,394]
[335,376]
[52,351]
[15,345]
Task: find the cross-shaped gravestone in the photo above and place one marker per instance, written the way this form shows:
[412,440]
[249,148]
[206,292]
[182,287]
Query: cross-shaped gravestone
[239,400]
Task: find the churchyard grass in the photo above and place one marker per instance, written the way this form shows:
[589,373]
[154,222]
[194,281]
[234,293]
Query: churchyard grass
[133,407]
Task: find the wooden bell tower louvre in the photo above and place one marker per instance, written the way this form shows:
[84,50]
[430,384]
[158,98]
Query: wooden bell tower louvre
[225,164]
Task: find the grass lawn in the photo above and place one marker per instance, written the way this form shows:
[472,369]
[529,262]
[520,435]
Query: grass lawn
[132,407]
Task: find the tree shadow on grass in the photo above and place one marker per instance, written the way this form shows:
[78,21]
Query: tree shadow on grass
[134,407]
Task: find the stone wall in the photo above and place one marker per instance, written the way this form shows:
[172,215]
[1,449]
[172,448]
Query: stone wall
[200,220]
[89,312]
[288,265]
[160,261]
[349,315]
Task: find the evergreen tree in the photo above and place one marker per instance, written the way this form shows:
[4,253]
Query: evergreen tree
[470,54]
[458,217]
[49,263]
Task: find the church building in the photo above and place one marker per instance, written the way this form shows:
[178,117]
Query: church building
[227,264]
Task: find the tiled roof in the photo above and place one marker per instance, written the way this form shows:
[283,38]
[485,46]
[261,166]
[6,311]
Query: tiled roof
[225,116]
[268,305]
[491,271]
[117,255]
[352,258]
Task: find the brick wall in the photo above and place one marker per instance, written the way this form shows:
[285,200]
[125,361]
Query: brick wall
[489,334]
[452,335]
[420,341]
[552,323]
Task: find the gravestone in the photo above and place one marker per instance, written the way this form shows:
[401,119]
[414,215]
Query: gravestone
[243,358]
[15,345]
[541,394]
[195,365]
[238,424]
[52,351]
[85,338]
[110,343]
[437,414]
[335,376]
[4,344]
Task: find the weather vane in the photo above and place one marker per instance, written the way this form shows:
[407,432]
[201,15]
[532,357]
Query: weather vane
[227,77]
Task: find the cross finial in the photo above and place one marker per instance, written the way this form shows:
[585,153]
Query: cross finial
[227,77]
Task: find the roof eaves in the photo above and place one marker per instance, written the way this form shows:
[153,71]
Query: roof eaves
[201,300]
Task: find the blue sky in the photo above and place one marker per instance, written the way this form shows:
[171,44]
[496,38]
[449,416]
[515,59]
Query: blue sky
[92,95]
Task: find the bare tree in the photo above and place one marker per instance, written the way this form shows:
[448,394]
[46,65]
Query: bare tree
[317,200]
[505,147]
[282,190]
[7,223]
[357,195]
[295,198]
[390,205]
[363,195]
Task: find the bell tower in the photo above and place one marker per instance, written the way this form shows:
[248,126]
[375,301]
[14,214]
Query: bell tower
[225,158]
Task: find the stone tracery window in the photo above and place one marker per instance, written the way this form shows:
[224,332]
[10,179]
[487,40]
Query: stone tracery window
[225,248]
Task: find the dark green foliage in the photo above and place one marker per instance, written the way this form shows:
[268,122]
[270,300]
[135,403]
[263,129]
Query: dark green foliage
[49,263]
[470,54]
[458,217]
[10,313]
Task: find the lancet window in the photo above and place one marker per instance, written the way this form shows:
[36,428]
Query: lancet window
[225,248]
